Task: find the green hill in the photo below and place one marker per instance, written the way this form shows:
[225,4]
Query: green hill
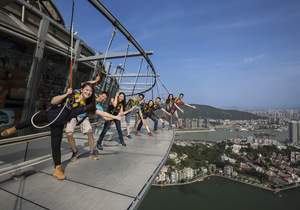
[209,112]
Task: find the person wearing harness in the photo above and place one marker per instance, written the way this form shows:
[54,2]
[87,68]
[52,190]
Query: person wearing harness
[157,106]
[64,107]
[131,106]
[178,101]
[116,108]
[147,112]
[169,104]
[86,128]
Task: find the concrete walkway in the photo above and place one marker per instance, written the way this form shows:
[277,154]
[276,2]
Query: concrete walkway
[118,180]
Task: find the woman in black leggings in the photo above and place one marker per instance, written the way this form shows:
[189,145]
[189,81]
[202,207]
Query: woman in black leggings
[147,112]
[69,105]
[115,108]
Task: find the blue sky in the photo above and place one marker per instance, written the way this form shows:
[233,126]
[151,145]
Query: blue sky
[233,53]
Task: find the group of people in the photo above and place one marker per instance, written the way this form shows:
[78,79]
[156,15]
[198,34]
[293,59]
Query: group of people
[75,106]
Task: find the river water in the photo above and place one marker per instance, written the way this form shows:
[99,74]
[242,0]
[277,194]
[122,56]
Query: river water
[224,134]
[218,193]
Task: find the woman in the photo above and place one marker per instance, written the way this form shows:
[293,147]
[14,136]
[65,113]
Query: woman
[172,108]
[131,105]
[86,127]
[178,101]
[147,112]
[154,117]
[116,108]
[64,107]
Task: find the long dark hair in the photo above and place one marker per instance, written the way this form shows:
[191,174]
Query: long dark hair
[124,101]
[170,98]
[91,101]
[151,101]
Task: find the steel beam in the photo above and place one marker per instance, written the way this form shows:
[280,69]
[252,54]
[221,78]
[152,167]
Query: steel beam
[132,83]
[112,55]
[35,71]
[130,89]
[77,51]
[133,75]
[52,21]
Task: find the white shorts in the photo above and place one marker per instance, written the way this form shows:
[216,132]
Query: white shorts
[85,126]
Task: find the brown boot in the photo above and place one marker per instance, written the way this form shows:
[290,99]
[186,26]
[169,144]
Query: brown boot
[8,131]
[59,173]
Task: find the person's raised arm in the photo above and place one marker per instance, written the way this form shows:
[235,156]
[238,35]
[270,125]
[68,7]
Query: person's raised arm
[97,80]
[178,108]
[115,100]
[58,99]
[165,111]
[129,110]
[107,116]
[121,113]
[191,106]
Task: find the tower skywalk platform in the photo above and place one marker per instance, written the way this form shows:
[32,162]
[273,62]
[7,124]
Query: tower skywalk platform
[118,180]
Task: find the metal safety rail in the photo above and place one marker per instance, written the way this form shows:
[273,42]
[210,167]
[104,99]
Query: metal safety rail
[117,24]
[84,55]
[24,161]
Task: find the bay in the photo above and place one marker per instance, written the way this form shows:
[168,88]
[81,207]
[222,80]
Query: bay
[219,194]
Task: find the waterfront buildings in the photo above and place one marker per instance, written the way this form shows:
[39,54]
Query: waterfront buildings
[294,132]
[228,170]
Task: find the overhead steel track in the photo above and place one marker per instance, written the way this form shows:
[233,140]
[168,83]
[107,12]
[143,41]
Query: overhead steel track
[116,23]
[112,55]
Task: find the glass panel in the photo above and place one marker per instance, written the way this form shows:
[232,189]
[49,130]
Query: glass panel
[15,62]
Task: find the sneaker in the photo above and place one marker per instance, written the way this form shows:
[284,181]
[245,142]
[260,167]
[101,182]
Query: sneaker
[74,157]
[94,155]
[129,136]
[59,173]
[123,144]
[150,134]
[99,146]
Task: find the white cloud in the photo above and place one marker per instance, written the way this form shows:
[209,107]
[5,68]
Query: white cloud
[253,59]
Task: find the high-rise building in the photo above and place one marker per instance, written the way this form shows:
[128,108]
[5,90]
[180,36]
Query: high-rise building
[180,122]
[294,132]
[194,122]
[298,132]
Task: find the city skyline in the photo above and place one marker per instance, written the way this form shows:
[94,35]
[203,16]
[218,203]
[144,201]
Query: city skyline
[233,54]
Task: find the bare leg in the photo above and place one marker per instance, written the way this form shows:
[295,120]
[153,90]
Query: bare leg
[176,116]
[71,142]
[145,123]
[91,141]
[93,151]
[128,127]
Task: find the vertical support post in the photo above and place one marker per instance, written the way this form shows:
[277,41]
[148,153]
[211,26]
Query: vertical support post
[124,63]
[137,77]
[35,71]
[77,51]
[23,14]
[97,64]
[107,67]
